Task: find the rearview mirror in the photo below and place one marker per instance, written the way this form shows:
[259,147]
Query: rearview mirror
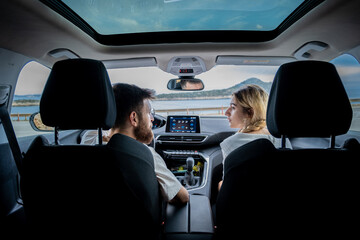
[37,124]
[185,84]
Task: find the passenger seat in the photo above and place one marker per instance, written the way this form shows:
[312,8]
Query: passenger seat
[299,193]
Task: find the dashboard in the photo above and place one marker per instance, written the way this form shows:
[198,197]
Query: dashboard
[190,147]
[204,131]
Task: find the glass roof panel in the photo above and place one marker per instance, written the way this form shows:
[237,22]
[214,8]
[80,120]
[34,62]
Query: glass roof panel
[137,16]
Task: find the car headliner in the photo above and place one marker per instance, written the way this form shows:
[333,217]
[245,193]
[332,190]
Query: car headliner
[31,28]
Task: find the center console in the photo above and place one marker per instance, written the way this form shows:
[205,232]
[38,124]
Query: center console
[189,166]
[178,149]
[182,149]
[190,221]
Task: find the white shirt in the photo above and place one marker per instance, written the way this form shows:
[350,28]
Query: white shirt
[238,139]
[169,185]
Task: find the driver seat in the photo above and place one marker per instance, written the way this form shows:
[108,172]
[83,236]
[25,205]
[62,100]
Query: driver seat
[87,191]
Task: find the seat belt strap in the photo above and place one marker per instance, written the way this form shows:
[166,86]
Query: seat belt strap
[10,134]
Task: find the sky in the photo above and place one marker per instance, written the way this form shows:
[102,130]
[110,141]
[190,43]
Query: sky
[33,77]
[112,16]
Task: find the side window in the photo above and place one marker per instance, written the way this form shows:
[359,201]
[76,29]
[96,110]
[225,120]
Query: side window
[30,84]
[349,71]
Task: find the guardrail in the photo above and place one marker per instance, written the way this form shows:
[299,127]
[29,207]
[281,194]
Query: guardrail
[355,102]
[217,110]
[20,116]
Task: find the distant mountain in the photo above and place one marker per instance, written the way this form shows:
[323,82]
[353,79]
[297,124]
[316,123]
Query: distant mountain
[32,99]
[213,94]
[28,97]
[26,100]
[256,81]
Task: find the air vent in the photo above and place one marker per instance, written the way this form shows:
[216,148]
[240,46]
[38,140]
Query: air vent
[179,157]
[170,138]
[194,138]
[188,139]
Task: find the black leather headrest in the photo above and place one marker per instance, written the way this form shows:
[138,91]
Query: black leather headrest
[308,99]
[78,95]
[4,94]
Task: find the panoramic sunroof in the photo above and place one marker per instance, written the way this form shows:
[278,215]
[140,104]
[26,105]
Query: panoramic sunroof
[136,16]
[131,22]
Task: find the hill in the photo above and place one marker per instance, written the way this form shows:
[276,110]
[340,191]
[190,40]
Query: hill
[26,100]
[31,100]
[213,94]
[27,97]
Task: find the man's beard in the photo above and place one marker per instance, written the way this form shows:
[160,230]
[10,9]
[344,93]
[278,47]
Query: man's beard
[143,133]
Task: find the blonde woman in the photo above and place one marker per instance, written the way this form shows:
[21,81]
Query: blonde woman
[247,112]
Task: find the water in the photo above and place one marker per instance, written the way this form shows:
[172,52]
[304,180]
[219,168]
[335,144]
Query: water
[23,128]
[24,109]
[162,106]
[158,105]
[178,104]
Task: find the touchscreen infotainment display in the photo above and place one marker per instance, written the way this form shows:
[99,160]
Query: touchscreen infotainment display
[183,124]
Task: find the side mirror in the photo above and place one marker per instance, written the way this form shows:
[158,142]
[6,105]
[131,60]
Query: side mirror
[185,84]
[37,124]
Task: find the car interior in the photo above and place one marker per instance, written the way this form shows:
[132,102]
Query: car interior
[95,185]
[60,58]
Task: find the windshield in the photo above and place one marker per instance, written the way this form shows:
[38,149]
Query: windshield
[220,82]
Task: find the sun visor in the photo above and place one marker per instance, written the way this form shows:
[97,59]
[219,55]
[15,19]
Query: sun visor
[130,63]
[249,60]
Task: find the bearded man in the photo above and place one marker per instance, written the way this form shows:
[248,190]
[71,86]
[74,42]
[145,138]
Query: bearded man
[134,120]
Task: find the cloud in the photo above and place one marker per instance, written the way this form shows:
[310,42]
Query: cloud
[201,23]
[348,71]
[125,25]
[237,22]
[126,22]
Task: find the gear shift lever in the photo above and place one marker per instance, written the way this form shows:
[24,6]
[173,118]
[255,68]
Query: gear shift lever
[189,174]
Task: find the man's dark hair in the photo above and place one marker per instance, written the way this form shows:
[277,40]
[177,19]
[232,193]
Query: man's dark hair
[129,98]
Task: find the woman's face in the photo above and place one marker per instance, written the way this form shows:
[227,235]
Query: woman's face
[236,115]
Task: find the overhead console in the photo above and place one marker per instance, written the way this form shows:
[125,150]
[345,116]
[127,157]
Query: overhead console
[186,66]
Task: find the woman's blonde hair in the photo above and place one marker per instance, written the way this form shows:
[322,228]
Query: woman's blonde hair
[253,99]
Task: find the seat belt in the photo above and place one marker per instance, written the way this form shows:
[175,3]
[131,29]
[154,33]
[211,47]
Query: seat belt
[9,130]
